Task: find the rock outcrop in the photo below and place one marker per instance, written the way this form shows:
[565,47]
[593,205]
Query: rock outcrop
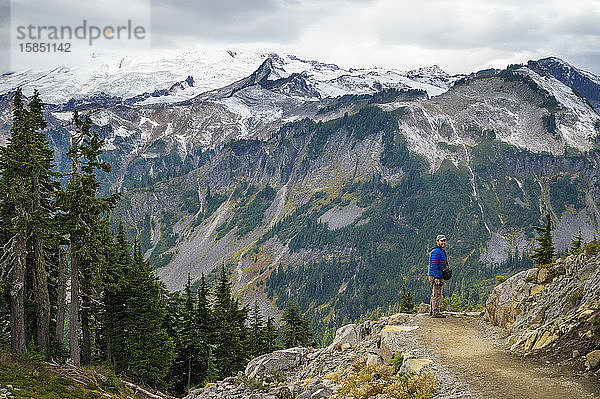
[307,373]
[556,308]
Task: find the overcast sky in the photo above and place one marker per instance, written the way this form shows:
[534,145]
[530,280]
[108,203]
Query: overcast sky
[459,36]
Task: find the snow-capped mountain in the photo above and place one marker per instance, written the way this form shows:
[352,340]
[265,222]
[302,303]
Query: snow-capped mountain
[196,101]
[309,126]
[585,83]
[180,76]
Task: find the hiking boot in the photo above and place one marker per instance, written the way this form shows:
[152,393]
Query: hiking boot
[439,316]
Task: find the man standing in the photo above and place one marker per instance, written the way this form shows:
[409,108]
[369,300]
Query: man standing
[438,261]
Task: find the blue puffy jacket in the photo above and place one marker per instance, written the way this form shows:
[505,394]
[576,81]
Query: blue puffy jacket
[437,262]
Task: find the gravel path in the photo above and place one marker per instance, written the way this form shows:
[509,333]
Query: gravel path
[469,364]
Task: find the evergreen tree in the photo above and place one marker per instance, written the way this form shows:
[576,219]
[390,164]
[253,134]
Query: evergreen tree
[187,364]
[43,190]
[204,323]
[544,254]
[406,301]
[296,330]
[576,244]
[270,335]
[114,300]
[230,329]
[150,350]
[203,312]
[257,342]
[15,192]
[82,219]
[27,189]
[189,332]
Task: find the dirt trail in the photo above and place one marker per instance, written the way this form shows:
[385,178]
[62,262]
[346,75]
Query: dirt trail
[463,345]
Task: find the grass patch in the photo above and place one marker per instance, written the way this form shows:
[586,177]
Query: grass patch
[32,381]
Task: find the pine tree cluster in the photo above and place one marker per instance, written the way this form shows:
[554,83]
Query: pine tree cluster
[213,341]
[55,227]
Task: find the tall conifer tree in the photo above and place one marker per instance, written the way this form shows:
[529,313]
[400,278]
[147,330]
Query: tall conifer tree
[15,194]
[83,211]
[544,254]
[28,187]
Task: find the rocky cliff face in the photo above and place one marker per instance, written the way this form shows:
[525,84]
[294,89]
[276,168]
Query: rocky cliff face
[554,309]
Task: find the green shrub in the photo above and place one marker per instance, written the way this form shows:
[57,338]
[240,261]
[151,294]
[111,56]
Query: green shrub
[575,297]
[592,248]
[356,382]
[113,382]
[397,362]
[34,356]
[453,303]
[501,279]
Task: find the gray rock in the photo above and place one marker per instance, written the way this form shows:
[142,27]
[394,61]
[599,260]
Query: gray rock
[414,366]
[229,380]
[566,303]
[544,276]
[281,393]
[346,335]
[321,393]
[364,329]
[304,395]
[531,275]
[373,360]
[391,341]
[398,318]
[314,385]
[276,361]
[592,360]
[501,304]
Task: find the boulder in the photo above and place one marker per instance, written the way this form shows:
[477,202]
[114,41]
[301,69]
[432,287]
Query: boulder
[592,360]
[414,366]
[346,336]
[531,275]
[501,304]
[536,289]
[373,360]
[544,276]
[275,361]
[322,393]
[282,393]
[398,318]
[391,342]
[363,330]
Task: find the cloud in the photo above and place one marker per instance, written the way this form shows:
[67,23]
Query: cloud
[227,20]
[4,35]
[460,36]
[504,27]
